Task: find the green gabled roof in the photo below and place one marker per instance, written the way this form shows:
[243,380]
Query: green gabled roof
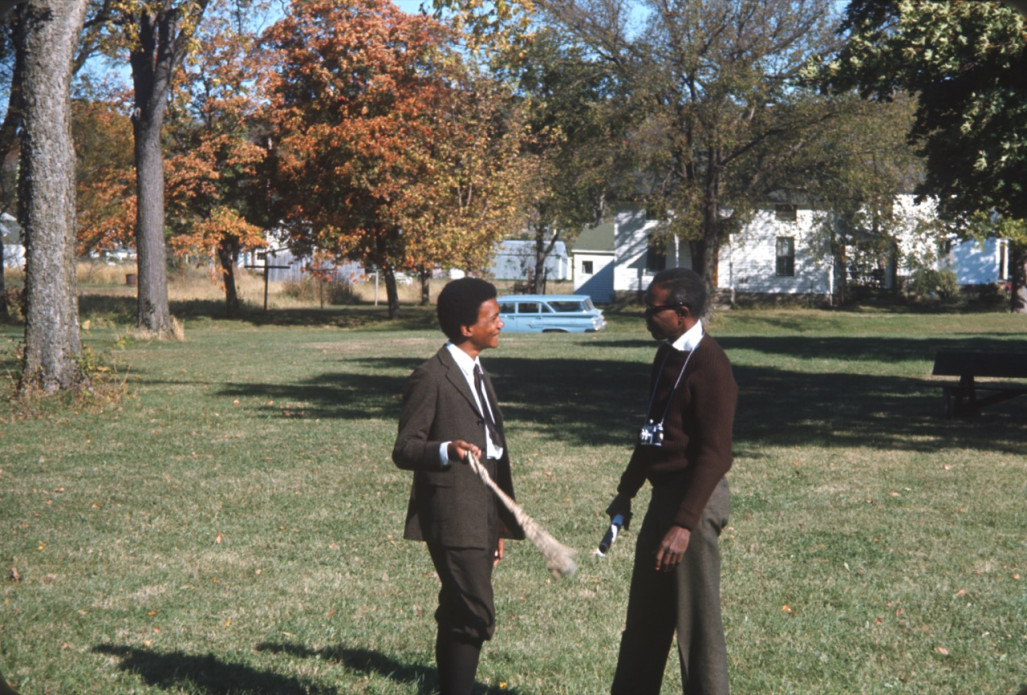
[598,238]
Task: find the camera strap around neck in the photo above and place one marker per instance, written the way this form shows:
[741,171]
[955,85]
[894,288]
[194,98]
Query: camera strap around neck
[656,386]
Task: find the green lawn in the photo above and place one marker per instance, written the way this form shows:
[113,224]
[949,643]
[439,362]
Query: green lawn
[233,524]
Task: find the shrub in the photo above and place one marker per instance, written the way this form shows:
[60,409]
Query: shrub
[928,283]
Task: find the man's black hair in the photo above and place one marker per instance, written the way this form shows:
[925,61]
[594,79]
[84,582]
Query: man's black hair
[459,303]
[684,286]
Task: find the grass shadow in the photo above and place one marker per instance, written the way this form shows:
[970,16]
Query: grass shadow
[207,674]
[122,310]
[366,661]
[599,400]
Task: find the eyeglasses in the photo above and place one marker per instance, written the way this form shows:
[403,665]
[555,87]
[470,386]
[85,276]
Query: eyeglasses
[653,310]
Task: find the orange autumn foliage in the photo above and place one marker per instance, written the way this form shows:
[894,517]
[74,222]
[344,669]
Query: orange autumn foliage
[381,143]
[104,176]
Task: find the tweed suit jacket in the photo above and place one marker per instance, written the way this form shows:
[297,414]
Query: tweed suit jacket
[449,506]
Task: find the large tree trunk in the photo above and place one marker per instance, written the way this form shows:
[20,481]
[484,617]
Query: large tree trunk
[228,255]
[47,36]
[391,291]
[151,73]
[424,275]
[543,247]
[163,36]
[1018,279]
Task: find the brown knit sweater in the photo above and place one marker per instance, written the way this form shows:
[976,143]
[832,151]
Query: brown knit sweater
[696,451]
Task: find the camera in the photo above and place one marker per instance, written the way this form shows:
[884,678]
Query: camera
[651,434]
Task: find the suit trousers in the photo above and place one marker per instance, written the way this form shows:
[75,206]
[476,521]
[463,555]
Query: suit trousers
[685,601]
[466,607]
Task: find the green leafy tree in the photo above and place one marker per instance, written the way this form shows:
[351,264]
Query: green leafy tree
[716,89]
[965,63]
[479,186]
[577,126]
[856,163]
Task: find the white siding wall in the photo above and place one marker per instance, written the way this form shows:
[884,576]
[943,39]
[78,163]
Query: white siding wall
[748,262]
[978,262]
[514,258]
[599,283]
[631,241]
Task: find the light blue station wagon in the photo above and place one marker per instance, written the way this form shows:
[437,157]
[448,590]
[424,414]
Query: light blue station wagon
[545,313]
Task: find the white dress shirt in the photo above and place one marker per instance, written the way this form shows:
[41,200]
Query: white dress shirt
[467,364]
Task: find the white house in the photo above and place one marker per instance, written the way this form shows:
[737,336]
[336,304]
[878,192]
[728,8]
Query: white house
[777,253]
[515,259]
[617,256]
[979,262]
[10,233]
[593,261]
[780,252]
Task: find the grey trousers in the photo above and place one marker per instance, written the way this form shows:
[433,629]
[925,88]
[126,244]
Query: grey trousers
[685,601]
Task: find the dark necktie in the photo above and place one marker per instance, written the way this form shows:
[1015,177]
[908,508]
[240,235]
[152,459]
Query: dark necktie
[486,408]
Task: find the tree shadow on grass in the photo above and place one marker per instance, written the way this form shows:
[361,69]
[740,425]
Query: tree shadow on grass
[366,661]
[122,308]
[598,397]
[208,674]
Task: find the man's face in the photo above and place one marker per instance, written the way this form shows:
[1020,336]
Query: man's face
[485,333]
[664,318]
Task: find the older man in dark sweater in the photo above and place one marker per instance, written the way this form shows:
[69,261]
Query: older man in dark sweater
[684,450]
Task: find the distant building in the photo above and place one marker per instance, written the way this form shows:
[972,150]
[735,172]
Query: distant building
[14,249]
[594,262]
[620,257]
[515,260]
[780,252]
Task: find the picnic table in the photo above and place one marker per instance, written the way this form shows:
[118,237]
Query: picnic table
[961,398]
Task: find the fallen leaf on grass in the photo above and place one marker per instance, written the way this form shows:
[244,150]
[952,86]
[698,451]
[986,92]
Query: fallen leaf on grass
[961,592]
[15,577]
[787,609]
[942,650]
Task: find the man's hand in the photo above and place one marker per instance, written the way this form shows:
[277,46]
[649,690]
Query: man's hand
[458,450]
[620,505]
[672,548]
[499,553]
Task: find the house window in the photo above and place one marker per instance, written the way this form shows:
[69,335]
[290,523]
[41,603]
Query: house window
[655,255]
[786,213]
[586,267]
[786,256]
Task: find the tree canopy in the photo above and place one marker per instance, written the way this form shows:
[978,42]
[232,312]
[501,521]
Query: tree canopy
[715,86]
[365,105]
[966,63]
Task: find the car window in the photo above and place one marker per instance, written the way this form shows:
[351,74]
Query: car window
[506,308]
[567,307]
[528,308]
